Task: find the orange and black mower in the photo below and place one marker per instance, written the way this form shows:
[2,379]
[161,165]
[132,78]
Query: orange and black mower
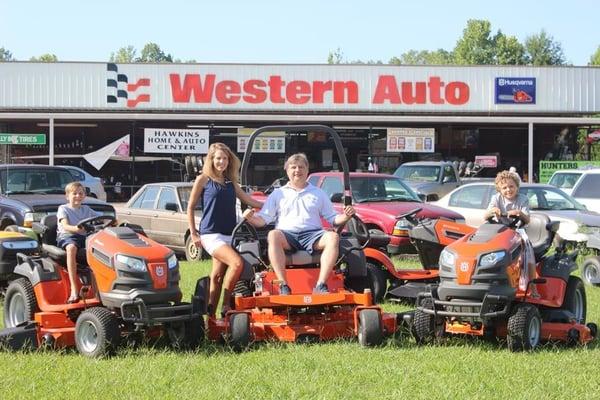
[128,287]
[261,313]
[479,292]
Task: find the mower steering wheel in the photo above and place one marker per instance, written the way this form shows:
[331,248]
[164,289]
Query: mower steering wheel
[512,221]
[410,216]
[94,224]
[358,228]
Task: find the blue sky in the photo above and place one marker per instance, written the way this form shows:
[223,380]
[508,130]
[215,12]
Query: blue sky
[282,31]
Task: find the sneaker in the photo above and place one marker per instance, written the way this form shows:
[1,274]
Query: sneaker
[321,288]
[284,289]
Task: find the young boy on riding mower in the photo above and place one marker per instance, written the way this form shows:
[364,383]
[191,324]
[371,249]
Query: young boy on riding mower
[509,202]
[69,235]
[298,207]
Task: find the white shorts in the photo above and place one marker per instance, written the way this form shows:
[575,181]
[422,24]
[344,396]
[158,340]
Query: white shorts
[212,241]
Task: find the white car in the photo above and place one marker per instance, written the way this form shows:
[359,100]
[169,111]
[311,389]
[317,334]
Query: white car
[582,184]
[576,222]
[95,184]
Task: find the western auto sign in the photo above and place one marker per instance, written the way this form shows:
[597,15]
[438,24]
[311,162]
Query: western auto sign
[297,88]
[176,141]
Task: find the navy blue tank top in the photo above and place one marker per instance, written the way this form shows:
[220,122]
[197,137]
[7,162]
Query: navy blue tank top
[218,214]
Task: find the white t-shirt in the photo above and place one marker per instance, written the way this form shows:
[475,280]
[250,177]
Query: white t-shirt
[298,211]
[73,217]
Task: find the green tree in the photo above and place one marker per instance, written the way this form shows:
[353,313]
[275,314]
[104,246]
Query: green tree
[594,59]
[152,53]
[335,57]
[45,58]
[123,55]
[509,51]
[424,57]
[5,55]
[476,46]
[542,49]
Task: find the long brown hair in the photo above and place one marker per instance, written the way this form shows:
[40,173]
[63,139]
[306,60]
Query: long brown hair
[233,167]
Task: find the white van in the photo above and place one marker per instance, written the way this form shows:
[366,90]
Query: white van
[581,184]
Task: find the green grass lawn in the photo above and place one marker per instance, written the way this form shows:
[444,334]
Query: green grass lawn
[459,368]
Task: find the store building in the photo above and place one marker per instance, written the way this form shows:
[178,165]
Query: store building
[388,113]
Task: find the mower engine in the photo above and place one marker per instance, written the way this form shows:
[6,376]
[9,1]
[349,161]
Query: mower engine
[134,274]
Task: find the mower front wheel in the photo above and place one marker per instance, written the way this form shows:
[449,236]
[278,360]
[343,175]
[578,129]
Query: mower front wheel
[186,335]
[370,332]
[590,271]
[524,328]
[19,304]
[239,331]
[97,333]
[426,328]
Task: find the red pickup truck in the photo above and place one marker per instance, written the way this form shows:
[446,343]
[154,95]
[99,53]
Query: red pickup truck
[378,200]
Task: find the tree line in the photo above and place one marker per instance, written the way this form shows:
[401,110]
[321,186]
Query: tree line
[478,45]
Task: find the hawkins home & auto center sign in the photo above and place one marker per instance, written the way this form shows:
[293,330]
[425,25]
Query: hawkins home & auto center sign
[339,89]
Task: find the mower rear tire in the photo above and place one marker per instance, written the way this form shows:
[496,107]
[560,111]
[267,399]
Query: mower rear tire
[370,333]
[186,335]
[19,303]
[192,252]
[524,329]
[376,281]
[575,300]
[239,331]
[97,333]
[426,328]
[590,271]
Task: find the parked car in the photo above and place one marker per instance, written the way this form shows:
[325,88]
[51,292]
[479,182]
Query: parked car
[29,192]
[576,222]
[94,184]
[582,184]
[430,179]
[379,199]
[161,210]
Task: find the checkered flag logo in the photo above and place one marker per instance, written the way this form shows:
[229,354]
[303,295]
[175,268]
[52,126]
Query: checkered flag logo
[119,90]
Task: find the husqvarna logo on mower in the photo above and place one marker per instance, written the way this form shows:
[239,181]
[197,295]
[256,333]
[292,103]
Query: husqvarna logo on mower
[160,271]
[307,299]
[118,87]
[464,266]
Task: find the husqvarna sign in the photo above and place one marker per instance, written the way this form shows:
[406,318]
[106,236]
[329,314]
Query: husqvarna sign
[515,90]
[298,88]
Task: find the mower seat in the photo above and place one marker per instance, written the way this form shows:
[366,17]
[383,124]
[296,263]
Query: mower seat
[541,232]
[47,231]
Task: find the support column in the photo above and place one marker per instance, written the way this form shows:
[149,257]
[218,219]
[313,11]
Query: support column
[51,141]
[530,153]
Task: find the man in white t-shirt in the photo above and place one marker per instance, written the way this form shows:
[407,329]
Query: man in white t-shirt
[298,207]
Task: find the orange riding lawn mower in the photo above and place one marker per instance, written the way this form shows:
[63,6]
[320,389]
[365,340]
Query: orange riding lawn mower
[261,313]
[128,287]
[479,293]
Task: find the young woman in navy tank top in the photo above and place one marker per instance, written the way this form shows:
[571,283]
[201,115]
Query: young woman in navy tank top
[218,187]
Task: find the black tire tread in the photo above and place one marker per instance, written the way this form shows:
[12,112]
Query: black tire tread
[370,330]
[22,285]
[108,328]
[517,327]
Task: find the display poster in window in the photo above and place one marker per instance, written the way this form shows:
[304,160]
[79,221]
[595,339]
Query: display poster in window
[176,141]
[269,142]
[411,140]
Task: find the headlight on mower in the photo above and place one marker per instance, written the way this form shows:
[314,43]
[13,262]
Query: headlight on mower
[134,263]
[447,258]
[172,261]
[491,258]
